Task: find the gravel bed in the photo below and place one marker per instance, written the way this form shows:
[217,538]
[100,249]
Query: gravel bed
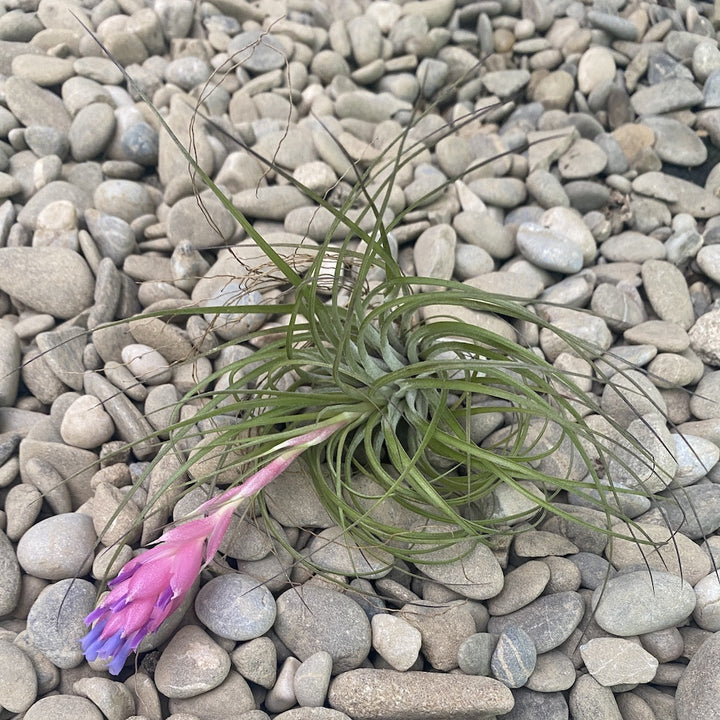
[617,210]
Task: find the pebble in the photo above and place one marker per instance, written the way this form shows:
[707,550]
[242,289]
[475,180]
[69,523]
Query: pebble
[114,237]
[513,660]
[146,364]
[475,653]
[191,664]
[55,621]
[548,621]
[256,661]
[235,607]
[666,96]
[86,424]
[233,693]
[312,679]
[549,250]
[698,689]
[521,587]
[588,699]
[614,661]
[468,568]
[58,547]
[64,706]
[55,295]
[312,618]
[389,695]
[113,698]
[635,603]
[18,681]
[395,640]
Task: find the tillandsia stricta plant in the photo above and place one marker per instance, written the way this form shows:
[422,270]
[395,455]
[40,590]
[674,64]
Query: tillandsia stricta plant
[456,427]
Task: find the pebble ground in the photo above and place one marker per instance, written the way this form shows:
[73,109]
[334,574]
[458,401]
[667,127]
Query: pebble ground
[614,208]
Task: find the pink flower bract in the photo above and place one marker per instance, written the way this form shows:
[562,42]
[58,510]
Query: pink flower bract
[153,585]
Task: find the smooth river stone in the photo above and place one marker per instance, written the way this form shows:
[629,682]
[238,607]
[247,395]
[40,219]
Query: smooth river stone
[636,603]
[367,694]
[56,281]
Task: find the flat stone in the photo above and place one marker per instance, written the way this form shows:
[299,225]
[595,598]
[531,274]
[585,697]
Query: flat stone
[34,105]
[514,658]
[705,338]
[18,681]
[335,551]
[233,693]
[698,692]
[521,587]
[467,567]
[10,585]
[58,547]
[366,694]
[614,661]
[64,706]
[191,664]
[548,249]
[312,679]
[113,698]
[67,286]
[548,621]
[666,96]
[63,352]
[591,701]
[635,603]
[55,622]
[236,607]
[443,627]
[312,618]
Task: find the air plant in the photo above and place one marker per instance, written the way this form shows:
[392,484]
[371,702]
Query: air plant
[357,339]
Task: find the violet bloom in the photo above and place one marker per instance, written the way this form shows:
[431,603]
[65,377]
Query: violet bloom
[153,585]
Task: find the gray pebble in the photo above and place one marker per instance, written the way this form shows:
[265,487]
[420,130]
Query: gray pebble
[513,660]
[113,235]
[10,586]
[588,699]
[55,621]
[313,618]
[548,621]
[33,105]
[67,286]
[549,250]
[395,640]
[113,698]
[191,664]
[64,706]
[312,679]
[256,661]
[388,695]
[636,603]
[236,607]
[18,682]
[666,96]
[58,547]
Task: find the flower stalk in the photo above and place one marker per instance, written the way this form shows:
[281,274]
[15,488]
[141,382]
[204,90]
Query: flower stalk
[151,586]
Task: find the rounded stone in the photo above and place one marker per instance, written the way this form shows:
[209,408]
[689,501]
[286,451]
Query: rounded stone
[395,640]
[58,547]
[85,423]
[55,622]
[191,664]
[466,567]
[615,661]
[513,660]
[522,586]
[236,607]
[312,618]
[639,602]
[596,67]
[63,707]
[124,198]
[18,681]
[146,364]
[698,692]
[91,131]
